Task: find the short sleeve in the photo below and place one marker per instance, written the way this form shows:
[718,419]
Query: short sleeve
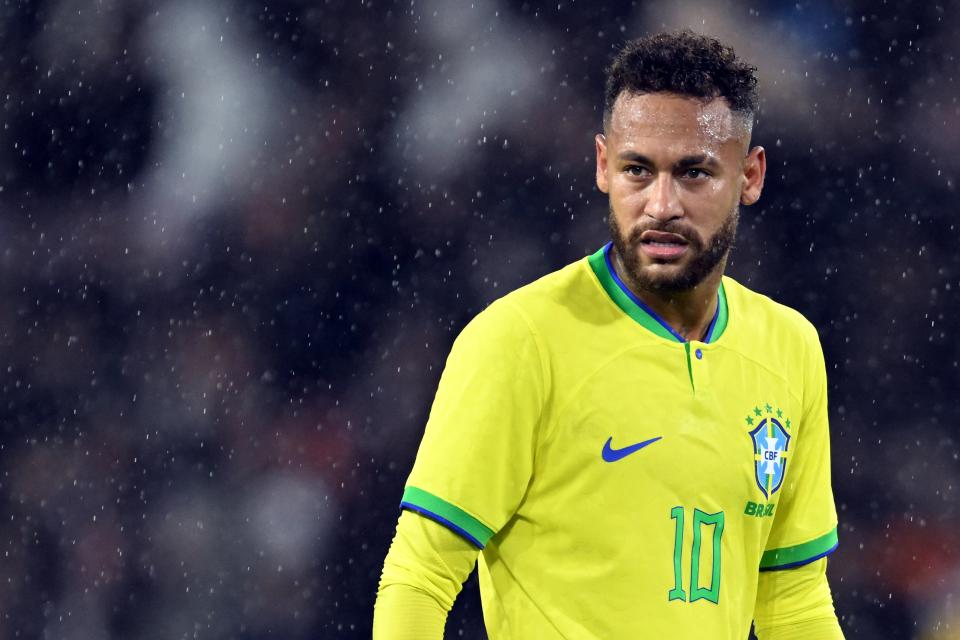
[476,457]
[805,527]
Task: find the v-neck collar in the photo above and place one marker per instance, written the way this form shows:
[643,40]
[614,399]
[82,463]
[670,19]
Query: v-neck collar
[634,307]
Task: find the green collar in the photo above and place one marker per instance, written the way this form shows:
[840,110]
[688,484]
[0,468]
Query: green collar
[644,315]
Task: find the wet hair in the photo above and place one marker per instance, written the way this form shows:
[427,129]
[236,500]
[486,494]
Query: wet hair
[684,63]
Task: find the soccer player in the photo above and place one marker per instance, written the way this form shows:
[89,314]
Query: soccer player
[636,445]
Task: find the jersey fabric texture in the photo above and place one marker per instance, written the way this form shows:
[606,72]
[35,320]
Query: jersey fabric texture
[620,481]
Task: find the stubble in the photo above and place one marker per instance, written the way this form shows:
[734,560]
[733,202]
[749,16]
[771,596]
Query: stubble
[707,254]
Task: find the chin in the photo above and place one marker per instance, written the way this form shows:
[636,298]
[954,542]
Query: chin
[667,278]
[663,272]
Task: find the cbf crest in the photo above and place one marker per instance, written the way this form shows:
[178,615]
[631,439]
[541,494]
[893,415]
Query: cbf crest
[771,446]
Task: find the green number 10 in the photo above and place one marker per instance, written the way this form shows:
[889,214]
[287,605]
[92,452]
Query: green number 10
[700,519]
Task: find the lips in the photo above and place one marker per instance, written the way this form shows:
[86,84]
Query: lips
[662,237]
[663,245]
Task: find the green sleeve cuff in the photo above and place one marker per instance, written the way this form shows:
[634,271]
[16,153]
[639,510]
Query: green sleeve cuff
[800,554]
[451,516]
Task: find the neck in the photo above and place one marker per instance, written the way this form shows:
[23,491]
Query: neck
[690,312]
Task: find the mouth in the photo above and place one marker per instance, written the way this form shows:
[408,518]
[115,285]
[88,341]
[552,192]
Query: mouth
[662,245]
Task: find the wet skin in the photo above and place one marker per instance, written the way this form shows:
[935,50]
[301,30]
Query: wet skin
[676,170]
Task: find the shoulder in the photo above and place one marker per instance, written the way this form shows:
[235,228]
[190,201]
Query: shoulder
[534,321]
[512,339]
[763,317]
[535,307]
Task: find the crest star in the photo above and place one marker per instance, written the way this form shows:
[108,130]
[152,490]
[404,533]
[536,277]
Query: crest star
[779,413]
[768,408]
[757,412]
[788,423]
[749,421]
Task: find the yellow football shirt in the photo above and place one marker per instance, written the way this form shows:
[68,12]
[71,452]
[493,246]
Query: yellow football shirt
[621,482]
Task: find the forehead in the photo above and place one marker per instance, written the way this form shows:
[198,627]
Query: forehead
[678,119]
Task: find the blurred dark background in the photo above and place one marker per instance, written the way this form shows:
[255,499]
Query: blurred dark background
[238,238]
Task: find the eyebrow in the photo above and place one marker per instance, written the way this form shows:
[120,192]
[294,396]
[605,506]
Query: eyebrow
[682,163]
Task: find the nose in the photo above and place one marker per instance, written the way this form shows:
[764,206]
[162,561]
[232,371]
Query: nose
[663,202]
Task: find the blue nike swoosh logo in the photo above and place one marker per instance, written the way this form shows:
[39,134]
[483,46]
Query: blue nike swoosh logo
[612,455]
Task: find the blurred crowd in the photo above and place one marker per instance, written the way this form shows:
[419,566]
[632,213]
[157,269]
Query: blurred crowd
[238,238]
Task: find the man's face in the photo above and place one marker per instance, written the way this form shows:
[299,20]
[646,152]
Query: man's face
[676,170]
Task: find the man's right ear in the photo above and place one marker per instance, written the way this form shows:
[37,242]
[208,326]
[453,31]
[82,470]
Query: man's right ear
[602,182]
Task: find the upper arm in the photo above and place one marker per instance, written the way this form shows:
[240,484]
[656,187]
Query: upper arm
[476,457]
[429,557]
[792,586]
[793,596]
[805,527]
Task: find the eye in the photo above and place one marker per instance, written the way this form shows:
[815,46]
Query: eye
[636,170]
[695,173]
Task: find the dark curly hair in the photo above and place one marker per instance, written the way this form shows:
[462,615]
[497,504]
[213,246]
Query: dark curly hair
[684,63]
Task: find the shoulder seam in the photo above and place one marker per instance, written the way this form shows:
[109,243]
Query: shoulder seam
[541,359]
[800,325]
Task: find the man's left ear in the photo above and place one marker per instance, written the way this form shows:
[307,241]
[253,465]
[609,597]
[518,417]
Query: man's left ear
[754,171]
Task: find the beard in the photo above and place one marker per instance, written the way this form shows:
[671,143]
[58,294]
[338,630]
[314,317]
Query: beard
[706,254]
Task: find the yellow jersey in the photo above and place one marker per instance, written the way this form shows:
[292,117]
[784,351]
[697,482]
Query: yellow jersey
[623,482]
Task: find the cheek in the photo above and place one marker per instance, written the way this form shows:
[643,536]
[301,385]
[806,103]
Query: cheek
[712,191]
[628,204]
[712,201]
[623,189]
